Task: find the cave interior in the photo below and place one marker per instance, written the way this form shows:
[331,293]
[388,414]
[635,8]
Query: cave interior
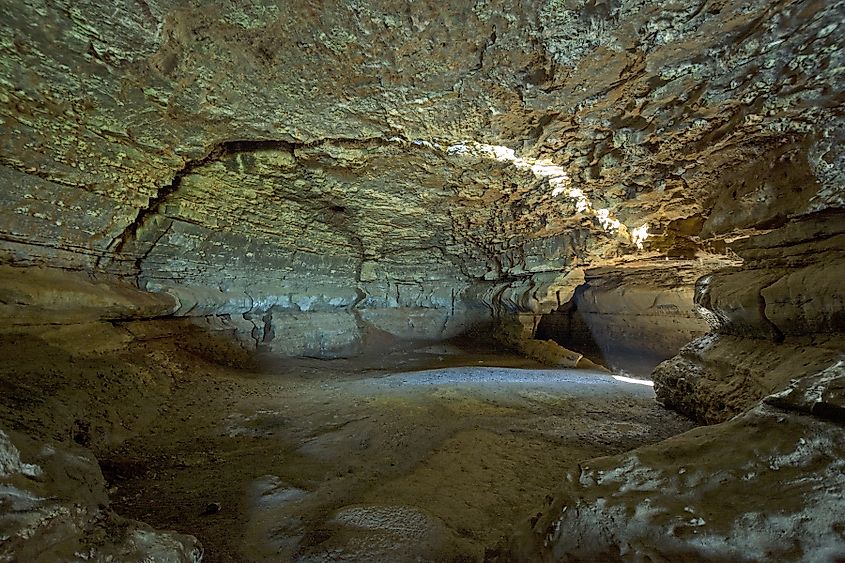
[395,280]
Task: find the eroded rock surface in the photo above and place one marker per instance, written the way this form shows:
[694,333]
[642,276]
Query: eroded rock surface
[777,318]
[268,163]
[701,496]
[630,318]
[766,482]
[53,507]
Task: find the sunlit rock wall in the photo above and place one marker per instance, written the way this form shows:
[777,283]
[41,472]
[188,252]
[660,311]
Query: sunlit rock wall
[765,479]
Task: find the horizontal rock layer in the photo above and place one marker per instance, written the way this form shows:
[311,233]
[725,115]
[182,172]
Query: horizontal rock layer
[777,318]
[241,158]
[313,181]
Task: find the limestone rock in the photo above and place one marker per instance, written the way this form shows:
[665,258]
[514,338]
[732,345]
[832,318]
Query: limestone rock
[821,395]
[235,157]
[53,507]
[40,295]
[630,317]
[700,496]
[717,376]
[777,318]
[307,181]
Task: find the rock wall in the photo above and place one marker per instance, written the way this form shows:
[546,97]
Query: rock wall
[630,318]
[55,509]
[777,318]
[312,180]
[246,158]
[75,379]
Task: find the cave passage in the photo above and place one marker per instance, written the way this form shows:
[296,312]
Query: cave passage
[499,281]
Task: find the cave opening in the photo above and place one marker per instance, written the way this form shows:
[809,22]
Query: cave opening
[385,281]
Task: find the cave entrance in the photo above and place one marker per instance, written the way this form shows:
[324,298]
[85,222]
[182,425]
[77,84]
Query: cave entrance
[628,321]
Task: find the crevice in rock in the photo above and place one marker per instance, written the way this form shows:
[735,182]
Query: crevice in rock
[777,334]
[155,203]
[268,333]
[483,51]
[140,260]
[567,326]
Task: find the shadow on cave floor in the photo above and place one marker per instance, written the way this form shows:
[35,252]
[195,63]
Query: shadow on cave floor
[428,454]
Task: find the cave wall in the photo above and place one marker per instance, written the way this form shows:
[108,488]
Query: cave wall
[768,380]
[778,317]
[308,180]
[251,161]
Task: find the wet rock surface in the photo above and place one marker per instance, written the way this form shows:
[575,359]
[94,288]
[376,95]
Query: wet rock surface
[698,496]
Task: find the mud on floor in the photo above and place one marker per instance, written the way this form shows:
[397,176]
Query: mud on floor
[322,464]
[432,454]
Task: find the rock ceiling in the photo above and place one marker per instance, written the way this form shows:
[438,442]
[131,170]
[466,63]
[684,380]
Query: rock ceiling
[227,144]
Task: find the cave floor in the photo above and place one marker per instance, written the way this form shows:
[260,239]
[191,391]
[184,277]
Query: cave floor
[426,455]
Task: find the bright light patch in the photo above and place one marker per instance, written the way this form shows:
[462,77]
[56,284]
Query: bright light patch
[556,178]
[559,180]
[503,153]
[633,380]
[639,235]
[457,149]
[607,222]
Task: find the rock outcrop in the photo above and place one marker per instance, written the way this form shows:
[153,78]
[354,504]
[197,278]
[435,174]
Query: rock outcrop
[770,377]
[777,318]
[54,508]
[631,317]
[765,485]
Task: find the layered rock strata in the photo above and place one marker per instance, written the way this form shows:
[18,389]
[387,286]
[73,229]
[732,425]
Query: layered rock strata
[312,180]
[770,376]
[777,318]
[631,317]
[312,163]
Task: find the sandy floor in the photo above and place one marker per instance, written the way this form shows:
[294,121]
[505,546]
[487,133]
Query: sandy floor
[426,455]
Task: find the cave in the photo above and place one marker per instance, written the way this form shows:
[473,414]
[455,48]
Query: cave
[501,281]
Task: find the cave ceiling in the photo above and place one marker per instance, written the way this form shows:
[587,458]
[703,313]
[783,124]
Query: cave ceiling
[485,140]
